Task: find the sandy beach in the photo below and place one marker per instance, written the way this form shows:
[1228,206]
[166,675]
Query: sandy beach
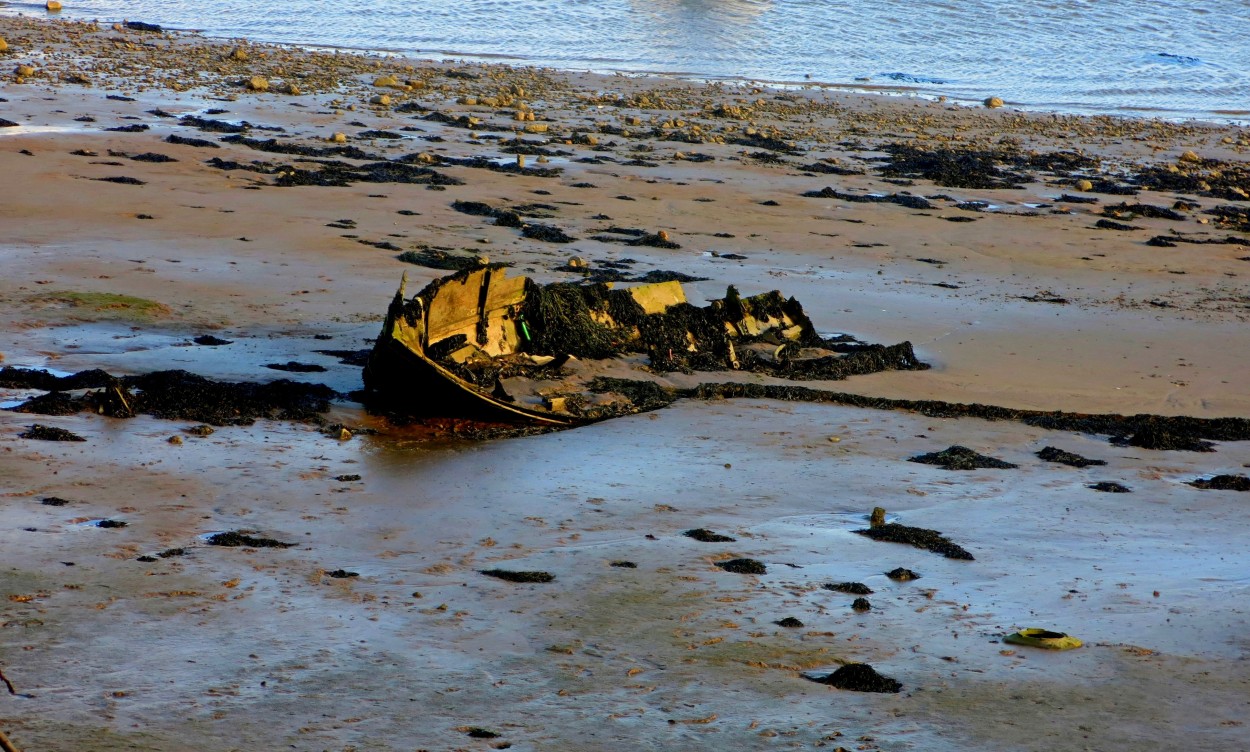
[159,188]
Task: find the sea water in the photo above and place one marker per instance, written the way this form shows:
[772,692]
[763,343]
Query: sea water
[1162,58]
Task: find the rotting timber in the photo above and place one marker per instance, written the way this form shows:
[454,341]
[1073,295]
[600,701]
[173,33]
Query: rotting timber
[480,344]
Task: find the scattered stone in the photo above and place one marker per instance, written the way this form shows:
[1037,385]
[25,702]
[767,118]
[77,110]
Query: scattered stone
[707,536]
[1223,483]
[930,540]
[789,623]
[853,588]
[859,677]
[49,433]
[900,574]
[960,458]
[861,604]
[743,566]
[510,575]
[257,83]
[1051,454]
[993,102]
[1110,486]
[176,440]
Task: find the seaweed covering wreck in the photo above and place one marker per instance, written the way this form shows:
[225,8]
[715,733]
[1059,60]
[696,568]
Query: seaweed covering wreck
[478,343]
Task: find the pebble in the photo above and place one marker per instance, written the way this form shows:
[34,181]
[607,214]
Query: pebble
[1084,186]
[338,138]
[258,83]
[993,102]
[53,6]
[1189,156]
[381,99]
[24,71]
[4,46]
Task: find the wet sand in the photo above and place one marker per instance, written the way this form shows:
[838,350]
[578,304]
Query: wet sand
[224,648]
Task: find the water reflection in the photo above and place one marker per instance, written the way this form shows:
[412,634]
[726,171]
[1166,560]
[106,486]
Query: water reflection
[688,32]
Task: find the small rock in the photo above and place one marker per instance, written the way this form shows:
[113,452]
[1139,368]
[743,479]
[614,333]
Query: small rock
[386,82]
[861,604]
[993,102]
[344,434]
[290,88]
[4,46]
[338,138]
[238,53]
[577,262]
[24,71]
[380,99]
[536,128]
[1189,156]
[52,5]
[175,440]
[257,83]
[1084,186]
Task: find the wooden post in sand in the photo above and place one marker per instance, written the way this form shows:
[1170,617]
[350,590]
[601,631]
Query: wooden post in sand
[5,744]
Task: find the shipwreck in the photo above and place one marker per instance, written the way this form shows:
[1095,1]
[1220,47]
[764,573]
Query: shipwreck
[481,344]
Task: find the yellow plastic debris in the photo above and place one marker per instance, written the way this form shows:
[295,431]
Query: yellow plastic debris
[1043,638]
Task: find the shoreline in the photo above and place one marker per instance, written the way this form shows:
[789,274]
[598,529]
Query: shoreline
[144,218]
[1219,117]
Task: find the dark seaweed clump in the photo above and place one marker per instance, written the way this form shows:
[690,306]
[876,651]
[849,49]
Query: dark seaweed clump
[53,501]
[292,366]
[511,575]
[342,574]
[111,523]
[234,539]
[435,258]
[954,168]
[209,340]
[1223,483]
[789,622]
[1160,438]
[854,588]
[960,458]
[49,433]
[859,677]
[546,233]
[707,536]
[930,540]
[1110,486]
[179,395]
[624,564]
[861,604]
[743,566]
[1051,454]
[902,575]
